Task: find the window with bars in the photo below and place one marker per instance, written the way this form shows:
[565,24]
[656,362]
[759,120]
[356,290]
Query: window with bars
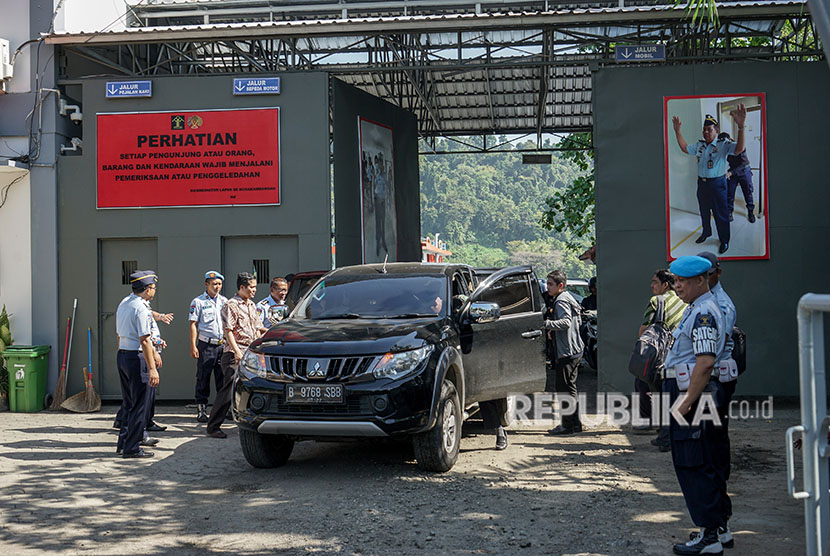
[127,268]
[262,270]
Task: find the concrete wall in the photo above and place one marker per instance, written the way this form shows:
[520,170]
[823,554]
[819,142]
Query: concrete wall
[16,252]
[190,240]
[349,103]
[630,197]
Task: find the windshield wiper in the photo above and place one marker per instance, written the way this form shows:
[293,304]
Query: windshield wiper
[342,316]
[409,315]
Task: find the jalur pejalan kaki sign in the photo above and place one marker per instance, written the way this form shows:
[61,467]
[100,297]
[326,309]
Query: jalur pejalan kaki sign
[189,158]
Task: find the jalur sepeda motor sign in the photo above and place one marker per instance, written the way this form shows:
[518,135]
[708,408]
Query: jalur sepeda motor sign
[189,158]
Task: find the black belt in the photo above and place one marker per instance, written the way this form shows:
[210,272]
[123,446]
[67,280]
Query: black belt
[712,179]
[211,341]
[129,350]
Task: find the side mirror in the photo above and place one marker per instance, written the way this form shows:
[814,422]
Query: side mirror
[482,312]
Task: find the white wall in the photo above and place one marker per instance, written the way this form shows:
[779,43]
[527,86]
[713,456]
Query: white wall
[77,16]
[14,27]
[16,252]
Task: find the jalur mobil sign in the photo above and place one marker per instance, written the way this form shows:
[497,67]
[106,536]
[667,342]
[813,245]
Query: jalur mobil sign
[640,53]
[189,158]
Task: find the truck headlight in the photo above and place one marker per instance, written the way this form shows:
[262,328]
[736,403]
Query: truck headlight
[397,365]
[253,364]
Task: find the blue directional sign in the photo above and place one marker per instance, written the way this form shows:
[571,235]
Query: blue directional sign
[256,86]
[641,53]
[129,89]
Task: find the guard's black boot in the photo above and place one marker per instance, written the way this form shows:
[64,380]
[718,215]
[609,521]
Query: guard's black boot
[722,249]
[702,238]
[724,536]
[707,543]
[501,439]
[751,217]
[202,417]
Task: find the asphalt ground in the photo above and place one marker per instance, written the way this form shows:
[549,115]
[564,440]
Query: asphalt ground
[605,492]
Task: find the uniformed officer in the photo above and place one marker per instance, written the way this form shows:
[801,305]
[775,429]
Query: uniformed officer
[206,339]
[691,372]
[740,173]
[711,156]
[273,308]
[136,361]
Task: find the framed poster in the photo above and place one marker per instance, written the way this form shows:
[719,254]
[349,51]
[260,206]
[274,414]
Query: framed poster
[188,158]
[716,180]
[378,224]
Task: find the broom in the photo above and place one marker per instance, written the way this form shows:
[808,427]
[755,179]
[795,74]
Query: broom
[87,401]
[60,387]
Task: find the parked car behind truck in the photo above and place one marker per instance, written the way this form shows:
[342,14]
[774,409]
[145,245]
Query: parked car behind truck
[401,349]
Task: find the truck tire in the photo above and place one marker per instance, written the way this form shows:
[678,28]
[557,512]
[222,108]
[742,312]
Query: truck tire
[265,450]
[437,448]
[507,410]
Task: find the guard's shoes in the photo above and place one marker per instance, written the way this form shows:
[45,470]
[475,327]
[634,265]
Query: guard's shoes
[559,430]
[139,454]
[217,434]
[155,427]
[116,424]
[202,417]
[149,441]
[501,440]
[706,543]
[702,238]
[751,217]
[724,536]
[731,217]
[722,249]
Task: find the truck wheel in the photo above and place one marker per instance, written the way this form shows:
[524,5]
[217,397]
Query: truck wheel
[507,410]
[437,448]
[265,450]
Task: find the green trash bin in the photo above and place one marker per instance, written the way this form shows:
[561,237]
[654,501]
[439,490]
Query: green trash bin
[27,367]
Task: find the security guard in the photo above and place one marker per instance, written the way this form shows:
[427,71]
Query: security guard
[691,371]
[136,361]
[273,308]
[711,155]
[740,173]
[206,339]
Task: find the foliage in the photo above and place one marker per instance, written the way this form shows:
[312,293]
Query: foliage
[487,207]
[700,10]
[571,209]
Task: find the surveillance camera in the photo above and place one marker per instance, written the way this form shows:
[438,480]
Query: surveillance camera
[76,118]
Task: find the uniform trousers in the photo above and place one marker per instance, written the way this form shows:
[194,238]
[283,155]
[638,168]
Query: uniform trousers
[134,375]
[698,457]
[565,371]
[222,401]
[209,363]
[742,177]
[726,462]
[711,199]
[490,413]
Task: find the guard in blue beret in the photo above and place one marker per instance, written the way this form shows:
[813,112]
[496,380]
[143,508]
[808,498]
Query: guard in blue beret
[692,383]
[206,339]
[711,154]
[136,360]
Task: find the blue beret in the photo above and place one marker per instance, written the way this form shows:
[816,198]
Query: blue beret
[212,274]
[689,266]
[143,278]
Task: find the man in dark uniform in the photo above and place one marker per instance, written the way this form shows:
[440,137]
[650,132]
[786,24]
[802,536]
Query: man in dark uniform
[740,173]
[690,374]
[711,171]
[206,339]
[136,361]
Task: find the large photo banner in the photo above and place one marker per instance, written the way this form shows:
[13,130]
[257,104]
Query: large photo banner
[378,225]
[189,158]
[716,176]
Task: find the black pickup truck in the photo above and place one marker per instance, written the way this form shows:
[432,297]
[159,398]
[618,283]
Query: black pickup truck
[387,350]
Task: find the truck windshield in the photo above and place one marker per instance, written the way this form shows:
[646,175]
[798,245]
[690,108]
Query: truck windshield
[375,296]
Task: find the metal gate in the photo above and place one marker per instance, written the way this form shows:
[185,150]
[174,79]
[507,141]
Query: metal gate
[815,424]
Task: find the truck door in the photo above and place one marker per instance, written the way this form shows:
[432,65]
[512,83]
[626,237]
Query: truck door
[505,356]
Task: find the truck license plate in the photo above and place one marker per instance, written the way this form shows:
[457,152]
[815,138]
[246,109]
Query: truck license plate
[314,393]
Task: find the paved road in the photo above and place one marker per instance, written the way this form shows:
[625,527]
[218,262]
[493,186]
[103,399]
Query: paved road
[62,491]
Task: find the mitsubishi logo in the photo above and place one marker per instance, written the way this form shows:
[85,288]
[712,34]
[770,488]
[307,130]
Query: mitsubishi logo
[317,371]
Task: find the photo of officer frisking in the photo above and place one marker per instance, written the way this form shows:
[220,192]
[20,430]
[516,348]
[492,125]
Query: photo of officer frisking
[716,175]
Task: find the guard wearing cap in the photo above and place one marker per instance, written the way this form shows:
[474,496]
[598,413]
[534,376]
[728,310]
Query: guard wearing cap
[739,174]
[691,380]
[136,361]
[206,339]
[711,154]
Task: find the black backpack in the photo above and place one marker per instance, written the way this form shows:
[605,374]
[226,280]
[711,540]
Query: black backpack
[739,349]
[651,348]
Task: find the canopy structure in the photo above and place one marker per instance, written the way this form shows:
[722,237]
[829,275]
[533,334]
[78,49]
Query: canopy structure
[485,67]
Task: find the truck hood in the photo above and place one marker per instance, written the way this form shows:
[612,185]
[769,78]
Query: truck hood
[340,338]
